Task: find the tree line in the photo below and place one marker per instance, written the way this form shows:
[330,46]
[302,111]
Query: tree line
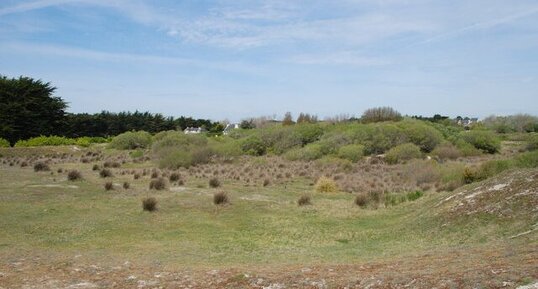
[28,108]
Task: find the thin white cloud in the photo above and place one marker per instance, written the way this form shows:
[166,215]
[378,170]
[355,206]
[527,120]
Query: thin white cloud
[95,55]
[349,58]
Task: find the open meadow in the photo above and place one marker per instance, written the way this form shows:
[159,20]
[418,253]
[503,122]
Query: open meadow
[73,217]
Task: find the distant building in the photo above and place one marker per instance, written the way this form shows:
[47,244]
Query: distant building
[229,127]
[194,130]
[466,121]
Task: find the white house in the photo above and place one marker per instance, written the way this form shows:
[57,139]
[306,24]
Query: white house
[194,130]
[229,127]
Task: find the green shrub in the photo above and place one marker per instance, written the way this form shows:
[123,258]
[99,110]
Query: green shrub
[45,141]
[326,185]
[527,160]
[308,153]
[174,149]
[421,134]
[532,142]
[381,137]
[4,143]
[411,196]
[131,140]
[446,151]
[353,152]
[483,140]
[402,153]
[253,145]
[467,149]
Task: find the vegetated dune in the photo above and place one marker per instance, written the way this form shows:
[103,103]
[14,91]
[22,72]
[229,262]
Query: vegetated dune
[511,196]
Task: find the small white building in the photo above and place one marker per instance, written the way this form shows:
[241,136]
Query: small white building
[194,130]
[229,127]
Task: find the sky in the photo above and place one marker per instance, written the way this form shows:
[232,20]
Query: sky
[232,59]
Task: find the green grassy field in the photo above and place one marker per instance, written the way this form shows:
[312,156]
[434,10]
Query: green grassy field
[42,213]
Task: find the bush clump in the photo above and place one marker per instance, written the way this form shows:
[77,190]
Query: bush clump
[41,167]
[149,204]
[446,151]
[308,153]
[74,175]
[158,184]
[326,185]
[361,200]
[214,182]
[304,200]
[174,177]
[403,153]
[532,142]
[4,143]
[105,173]
[131,140]
[109,186]
[379,114]
[352,152]
[483,140]
[220,198]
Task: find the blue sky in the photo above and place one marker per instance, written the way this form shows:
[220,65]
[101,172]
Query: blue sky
[235,58]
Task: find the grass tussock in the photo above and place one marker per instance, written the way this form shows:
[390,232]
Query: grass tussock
[304,200]
[41,167]
[326,185]
[105,173]
[149,204]
[74,175]
[109,186]
[221,198]
[158,184]
[214,183]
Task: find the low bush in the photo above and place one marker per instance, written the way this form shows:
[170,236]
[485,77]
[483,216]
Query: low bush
[412,196]
[361,200]
[483,140]
[109,186]
[403,153]
[131,140]
[149,204]
[421,134]
[304,200]
[174,177]
[58,141]
[111,164]
[220,198]
[446,151]
[158,184]
[4,143]
[253,145]
[308,153]
[326,185]
[532,142]
[74,175]
[105,173]
[214,183]
[352,152]
[41,167]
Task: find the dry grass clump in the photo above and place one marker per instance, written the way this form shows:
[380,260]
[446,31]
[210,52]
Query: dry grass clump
[74,175]
[149,204]
[266,182]
[105,173]
[136,176]
[109,186]
[41,167]
[446,151]
[214,182]
[157,184]
[304,200]
[326,185]
[361,200]
[110,164]
[126,185]
[95,167]
[174,177]
[221,198]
